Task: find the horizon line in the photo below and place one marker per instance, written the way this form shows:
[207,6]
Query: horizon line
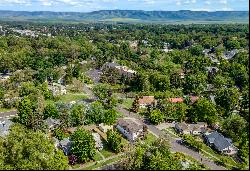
[127,10]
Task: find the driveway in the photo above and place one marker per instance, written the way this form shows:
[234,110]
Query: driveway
[165,125]
[175,147]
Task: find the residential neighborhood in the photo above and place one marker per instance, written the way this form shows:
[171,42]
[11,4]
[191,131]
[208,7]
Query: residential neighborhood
[110,95]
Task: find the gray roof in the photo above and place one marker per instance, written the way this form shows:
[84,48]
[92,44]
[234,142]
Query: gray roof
[129,125]
[219,141]
[65,145]
[229,54]
[210,69]
[4,127]
[111,64]
[52,122]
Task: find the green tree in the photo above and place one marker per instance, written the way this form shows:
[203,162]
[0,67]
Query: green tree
[25,149]
[50,110]
[95,113]
[135,104]
[155,156]
[204,111]
[27,88]
[156,116]
[227,98]
[83,145]
[234,126]
[195,83]
[181,111]
[114,141]
[101,91]
[77,115]
[110,116]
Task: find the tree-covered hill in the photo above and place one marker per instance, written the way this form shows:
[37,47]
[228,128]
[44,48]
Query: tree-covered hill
[135,15]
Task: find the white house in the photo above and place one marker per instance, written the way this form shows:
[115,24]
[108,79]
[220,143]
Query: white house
[105,128]
[129,129]
[146,101]
[57,89]
[123,70]
[98,141]
[193,129]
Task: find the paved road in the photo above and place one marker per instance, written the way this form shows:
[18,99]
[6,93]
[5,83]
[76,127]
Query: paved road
[174,145]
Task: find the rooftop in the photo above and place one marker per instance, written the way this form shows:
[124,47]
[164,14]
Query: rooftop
[218,140]
[4,127]
[129,125]
[175,100]
[146,100]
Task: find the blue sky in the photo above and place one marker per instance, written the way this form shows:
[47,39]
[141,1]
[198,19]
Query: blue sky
[94,5]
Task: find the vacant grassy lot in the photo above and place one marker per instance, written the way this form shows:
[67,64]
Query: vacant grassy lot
[72,97]
[127,103]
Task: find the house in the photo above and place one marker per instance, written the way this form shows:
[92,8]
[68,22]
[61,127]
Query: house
[229,54]
[220,143]
[57,89]
[125,71]
[52,123]
[176,100]
[122,70]
[56,142]
[5,127]
[133,44]
[4,77]
[210,88]
[65,145]
[129,129]
[146,101]
[193,99]
[182,128]
[98,141]
[212,98]
[212,69]
[109,65]
[194,129]
[105,128]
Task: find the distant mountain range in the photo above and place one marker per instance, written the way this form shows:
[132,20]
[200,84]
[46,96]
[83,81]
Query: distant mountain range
[128,16]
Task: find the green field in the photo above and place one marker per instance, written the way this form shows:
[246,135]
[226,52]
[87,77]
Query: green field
[72,97]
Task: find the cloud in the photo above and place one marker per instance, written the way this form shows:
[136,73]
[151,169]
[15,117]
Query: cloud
[207,2]
[15,2]
[189,1]
[223,1]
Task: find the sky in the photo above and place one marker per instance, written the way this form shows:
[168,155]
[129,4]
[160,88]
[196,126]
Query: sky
[148,5]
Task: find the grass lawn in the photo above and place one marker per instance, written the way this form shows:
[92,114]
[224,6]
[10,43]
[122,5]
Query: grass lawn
[7,110]
[97,157]
[172,132]
[209,150]
[101,164]
[150,138]
[120,115]
[72,97]
[127,103]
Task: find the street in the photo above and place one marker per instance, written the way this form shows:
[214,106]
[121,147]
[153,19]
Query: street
[175,147]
